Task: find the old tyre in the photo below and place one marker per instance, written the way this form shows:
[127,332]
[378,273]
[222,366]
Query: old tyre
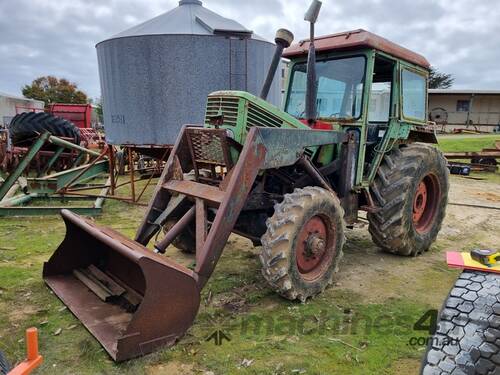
[411,189]
[467,339]
[302,246]
[4,365]
[25,127]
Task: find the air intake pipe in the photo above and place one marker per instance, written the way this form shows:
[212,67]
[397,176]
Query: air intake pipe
[311,89]
[283,40]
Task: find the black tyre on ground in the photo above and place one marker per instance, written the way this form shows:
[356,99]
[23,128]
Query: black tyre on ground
[4,364]
[411,189]
[467,340]
[25,127]
[302,246]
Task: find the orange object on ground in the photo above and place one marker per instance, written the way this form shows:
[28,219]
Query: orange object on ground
[34,359]
[464,261]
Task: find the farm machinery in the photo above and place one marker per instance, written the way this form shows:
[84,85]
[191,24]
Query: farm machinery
[352,136]
[71,122]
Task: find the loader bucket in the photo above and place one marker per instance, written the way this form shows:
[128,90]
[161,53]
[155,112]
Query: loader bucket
[131,299]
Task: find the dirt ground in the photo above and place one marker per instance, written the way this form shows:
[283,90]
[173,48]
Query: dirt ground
[379,278]
[370,283]
[366,270]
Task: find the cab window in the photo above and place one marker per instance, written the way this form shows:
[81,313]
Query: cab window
[340,85]
[414,95]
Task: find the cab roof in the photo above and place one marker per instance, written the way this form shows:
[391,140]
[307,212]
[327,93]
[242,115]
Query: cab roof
[353,40]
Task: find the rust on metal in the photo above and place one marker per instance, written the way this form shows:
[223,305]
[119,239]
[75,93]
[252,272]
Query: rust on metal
[465,155]
[213,195]
[175,231]
[314,173]
[201,225]
[161,315]
[314,244]
[355,40]
[93,265]
[245,171]
[426,203]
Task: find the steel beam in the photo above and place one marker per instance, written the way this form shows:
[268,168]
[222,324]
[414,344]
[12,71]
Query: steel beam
[12,178]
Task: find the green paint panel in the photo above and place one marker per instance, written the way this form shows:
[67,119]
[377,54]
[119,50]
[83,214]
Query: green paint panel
[238,111]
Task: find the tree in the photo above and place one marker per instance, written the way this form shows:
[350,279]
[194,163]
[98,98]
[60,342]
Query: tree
[438,80]
[98,108]
[53,90]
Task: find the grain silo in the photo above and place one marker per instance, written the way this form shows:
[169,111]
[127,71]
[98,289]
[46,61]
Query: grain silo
[155,77]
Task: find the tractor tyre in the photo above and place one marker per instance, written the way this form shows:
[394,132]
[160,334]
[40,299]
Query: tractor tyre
[4,365]
[302,246]
[186,241]
[26,127]
[411,191]
[467,338]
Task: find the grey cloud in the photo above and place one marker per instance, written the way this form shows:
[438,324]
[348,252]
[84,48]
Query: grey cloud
[40,37]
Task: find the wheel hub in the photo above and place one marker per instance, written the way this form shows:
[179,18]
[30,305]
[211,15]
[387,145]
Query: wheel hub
[419,202]
[426,203]
[315,245]
[312,247]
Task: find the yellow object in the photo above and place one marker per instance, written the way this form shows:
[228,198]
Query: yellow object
[487,257]
[465,261]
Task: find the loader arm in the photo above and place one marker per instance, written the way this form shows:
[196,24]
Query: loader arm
[133,300]
[265,148]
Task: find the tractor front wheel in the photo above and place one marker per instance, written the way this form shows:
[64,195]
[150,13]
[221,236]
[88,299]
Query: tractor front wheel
[411,189]
[302,246]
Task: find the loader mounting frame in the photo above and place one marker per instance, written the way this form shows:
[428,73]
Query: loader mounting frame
[265,148]
[133,300]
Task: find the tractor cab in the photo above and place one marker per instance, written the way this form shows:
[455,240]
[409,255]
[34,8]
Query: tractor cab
[363,82]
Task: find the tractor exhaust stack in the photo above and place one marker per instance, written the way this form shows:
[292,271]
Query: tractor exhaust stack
[311,90]
[283,39]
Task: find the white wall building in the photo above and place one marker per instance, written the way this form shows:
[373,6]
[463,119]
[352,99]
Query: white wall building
[10,105]
[458,109]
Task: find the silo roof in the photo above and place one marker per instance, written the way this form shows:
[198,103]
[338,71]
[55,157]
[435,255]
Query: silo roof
[189,18]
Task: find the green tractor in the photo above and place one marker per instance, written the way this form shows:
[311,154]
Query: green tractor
[352,136]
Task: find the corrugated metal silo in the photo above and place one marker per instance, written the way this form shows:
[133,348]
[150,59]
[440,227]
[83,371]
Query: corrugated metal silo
[156,76]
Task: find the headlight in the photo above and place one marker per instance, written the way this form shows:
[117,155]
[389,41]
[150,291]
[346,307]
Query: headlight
[230,133]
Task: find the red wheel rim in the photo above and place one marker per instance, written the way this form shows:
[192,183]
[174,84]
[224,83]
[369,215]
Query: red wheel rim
[426,203]
[314,247]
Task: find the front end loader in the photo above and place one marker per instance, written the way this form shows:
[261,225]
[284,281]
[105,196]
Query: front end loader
[290,180]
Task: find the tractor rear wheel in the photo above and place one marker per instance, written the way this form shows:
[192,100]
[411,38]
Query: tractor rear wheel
[411,189]
[25,127]
[302,246]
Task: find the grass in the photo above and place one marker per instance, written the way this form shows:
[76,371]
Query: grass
[461,143]
[319,337]
[338,332]
[468,142]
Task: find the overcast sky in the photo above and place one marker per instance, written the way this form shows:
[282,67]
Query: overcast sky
[57,37]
